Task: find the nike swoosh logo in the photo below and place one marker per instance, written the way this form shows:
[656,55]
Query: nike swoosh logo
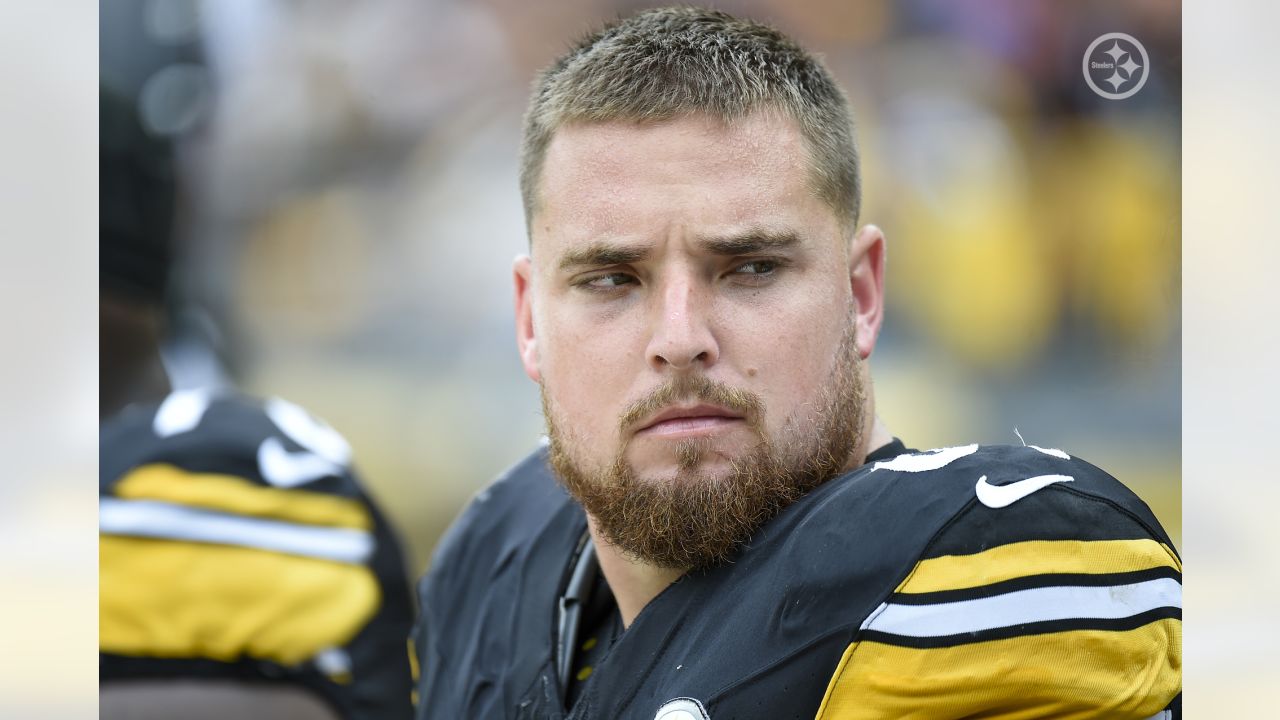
[285,469]
[998,496]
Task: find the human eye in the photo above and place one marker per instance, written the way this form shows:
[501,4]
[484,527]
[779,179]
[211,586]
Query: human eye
[605,282]
[756,271]
[757,267]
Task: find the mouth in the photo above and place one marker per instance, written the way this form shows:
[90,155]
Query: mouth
[689,421]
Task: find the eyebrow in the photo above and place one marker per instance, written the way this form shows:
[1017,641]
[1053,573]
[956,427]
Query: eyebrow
[751,242]
[601,254]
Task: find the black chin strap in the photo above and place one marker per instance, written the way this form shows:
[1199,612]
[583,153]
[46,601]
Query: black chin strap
[575,596]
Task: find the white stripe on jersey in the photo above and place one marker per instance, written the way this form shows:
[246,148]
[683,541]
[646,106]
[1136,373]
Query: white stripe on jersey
[150,518]
[1025,606]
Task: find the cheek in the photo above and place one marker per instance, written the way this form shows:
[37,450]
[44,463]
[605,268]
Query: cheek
[792,377]
[790,365]
[584,374]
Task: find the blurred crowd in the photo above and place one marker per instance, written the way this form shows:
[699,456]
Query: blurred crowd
[351,210]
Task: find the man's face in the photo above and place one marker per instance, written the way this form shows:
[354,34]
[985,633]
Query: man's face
[697,319]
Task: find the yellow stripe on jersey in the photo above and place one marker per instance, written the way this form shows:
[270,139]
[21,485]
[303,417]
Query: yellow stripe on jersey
[415,672]
[237,495]
[165,598]
[1037,557]
[1063,675]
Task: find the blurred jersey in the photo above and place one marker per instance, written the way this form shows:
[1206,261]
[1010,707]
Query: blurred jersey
[239,553]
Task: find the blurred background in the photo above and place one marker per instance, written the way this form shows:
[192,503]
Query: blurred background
[352,212]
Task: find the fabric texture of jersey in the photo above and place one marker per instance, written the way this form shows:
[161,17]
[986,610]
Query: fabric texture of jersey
[978,581]
[235,542]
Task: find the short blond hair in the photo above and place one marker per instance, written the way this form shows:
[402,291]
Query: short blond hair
[670,62]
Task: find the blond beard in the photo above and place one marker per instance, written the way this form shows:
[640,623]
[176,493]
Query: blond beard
[696,521]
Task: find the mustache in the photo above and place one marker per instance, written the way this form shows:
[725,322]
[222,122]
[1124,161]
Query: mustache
[699,388]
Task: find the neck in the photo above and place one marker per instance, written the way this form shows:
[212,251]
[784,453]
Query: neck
[879,437]
[635,583]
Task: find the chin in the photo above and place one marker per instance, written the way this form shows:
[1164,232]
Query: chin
[712,467]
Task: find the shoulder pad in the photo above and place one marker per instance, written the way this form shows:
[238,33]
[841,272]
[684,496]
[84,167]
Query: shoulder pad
[270,442]
[1052,587]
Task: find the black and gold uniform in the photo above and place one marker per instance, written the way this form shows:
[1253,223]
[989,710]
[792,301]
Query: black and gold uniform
[976,581]
[237,544]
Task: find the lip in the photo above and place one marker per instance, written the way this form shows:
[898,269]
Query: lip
[690,419]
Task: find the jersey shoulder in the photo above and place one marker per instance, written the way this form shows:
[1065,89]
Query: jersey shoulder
[872,526]
[265,442]
[491,589]
[1025,492]
[231,470]
[1046,584]
[502,523]
[234,530]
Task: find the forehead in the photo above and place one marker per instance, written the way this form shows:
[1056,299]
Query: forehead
[624,178]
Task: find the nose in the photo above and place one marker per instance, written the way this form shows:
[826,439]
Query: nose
[682,336]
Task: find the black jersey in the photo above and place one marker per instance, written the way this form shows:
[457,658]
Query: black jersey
[236,543]
[976,581]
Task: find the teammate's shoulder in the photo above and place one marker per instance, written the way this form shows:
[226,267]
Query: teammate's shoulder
[267,442]
[298,571]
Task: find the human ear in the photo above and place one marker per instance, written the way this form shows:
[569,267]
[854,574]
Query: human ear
[526,341]
[866,279]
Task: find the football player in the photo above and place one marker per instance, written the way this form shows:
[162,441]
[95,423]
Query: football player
[719,525]
[243,571]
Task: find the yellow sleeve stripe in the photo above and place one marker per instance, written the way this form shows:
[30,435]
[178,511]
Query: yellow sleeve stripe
[165,598]
[414,671]
[1073,674]
[1036,557]
[237,495]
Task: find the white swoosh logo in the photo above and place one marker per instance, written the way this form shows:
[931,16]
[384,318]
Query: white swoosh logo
[998,496]
[307,431]
[285,469]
